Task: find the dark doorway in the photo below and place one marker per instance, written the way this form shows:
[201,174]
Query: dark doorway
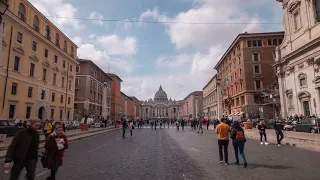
[41,113]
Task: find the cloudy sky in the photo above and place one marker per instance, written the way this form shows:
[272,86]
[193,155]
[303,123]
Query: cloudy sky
[180,56]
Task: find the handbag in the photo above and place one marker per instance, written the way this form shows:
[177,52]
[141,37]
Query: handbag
[132,127]
[44,159]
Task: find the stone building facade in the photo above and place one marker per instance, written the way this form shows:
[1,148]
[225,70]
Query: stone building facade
[298,58]
[92,90]
[41,63]
[244,70]
[160,107]
[136,108]
[211,103]
[192,105]
[117,98]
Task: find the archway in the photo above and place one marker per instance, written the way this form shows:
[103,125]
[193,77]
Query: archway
[41,113]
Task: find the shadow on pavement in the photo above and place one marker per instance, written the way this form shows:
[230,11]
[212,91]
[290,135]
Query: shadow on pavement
[253,165]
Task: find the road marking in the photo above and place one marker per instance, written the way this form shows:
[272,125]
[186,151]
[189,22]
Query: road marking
[41,174]
[97,148]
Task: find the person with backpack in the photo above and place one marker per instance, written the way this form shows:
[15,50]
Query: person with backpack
[223,130]
[262,131]
[124,127]
[238,141]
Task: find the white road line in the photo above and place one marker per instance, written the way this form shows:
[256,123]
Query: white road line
[41,174]
[97,148]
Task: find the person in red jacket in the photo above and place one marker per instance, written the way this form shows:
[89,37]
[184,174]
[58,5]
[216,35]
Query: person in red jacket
[207,123]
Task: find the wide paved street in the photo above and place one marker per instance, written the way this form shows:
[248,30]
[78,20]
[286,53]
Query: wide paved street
[171,154]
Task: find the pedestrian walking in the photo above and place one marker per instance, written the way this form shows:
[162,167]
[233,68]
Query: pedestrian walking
[155,124]
[223,130]
[238,141]
[200,126]
[124,127]
[177,124]
[182,124]
[47,128]
[131,127]
[151,124]
[23,152]
[262,131]
[55,146]
[207,123]
[278,128]
[160,124]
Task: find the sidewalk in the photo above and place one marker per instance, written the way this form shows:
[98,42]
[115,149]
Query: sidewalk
[298,139]
[72,135]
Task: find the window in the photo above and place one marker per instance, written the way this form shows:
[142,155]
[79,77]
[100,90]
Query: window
[19,37]
[77,69]
[258,84]
[69,100]
[34,46]
[52,114]
[72,53]
[256,57]
[62,82]
[22,12]
[61,112]
[317,9]
[55,59]
[296,20]
[249,44]
[43,94]
[36,23]
[12,109]
[30,92]
[3,28]
[57,40]
[257,69]
[68,114]
[240,72]
[279,41]
[269,42]
[28,112]
[77,81]
[240,87]
[48,32]
[46,53]
[303,82]
[237,102]
[70,68]
[259,43]
[64,64]
[254,43]
[54,79]
[235,76]
[16,65]
[275,42]
[242,100]
[32,68]
[44,74]
[14,88]
[53,96]
[70,84]
[61,99]
[290,101]
[256,99]
[65,46]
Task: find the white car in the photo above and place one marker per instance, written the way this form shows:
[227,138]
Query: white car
[289,127]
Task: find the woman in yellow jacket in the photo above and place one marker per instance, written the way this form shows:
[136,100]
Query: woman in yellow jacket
[47,128]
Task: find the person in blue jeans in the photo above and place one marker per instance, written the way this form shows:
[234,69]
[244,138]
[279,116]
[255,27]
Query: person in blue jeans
[238,141]
[278,126]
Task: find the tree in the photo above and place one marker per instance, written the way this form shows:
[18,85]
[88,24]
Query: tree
[85,114]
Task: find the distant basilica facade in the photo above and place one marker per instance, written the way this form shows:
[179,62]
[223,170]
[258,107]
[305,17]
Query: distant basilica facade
[160,107]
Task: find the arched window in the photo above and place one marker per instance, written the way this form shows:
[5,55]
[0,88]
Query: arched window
[48,32]
[36,23]
[22,12]
[57,40]
[65,47]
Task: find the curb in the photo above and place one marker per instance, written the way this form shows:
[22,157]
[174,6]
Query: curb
[83,136]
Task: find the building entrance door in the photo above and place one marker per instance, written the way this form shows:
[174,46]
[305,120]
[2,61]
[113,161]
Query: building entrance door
[306,108]
[41,113]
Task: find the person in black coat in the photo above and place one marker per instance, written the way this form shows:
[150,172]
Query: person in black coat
[262,131]
[124,127]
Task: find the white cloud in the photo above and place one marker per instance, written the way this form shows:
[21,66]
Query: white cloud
[125,24]
[77,40]
[115,45]
[96,18]
[204,11]
[61,9]
[172,62]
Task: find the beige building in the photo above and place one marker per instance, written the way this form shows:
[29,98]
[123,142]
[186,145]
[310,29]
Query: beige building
[211,103]
[298,58]
[37,66]
[192,105]
[160,107]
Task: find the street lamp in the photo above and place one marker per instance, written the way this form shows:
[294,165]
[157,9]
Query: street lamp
[3,8]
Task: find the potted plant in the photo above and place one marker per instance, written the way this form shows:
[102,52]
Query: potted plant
[85,114]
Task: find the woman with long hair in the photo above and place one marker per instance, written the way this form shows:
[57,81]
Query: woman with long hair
[55,146]
[238,141]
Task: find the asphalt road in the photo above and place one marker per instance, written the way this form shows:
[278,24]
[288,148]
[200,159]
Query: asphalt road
[170,154]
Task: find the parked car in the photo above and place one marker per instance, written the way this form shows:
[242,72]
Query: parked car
[289,126]
[68,125]
[76,124]
[310,125]
[9,127]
